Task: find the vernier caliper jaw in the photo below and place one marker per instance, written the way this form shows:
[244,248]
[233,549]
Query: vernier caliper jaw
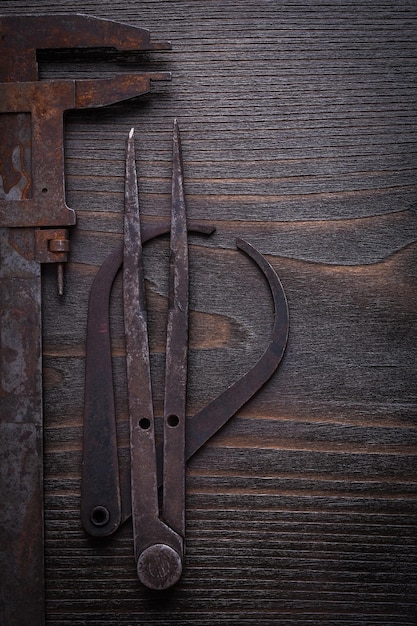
[107,499]
[34,219]
[32,189]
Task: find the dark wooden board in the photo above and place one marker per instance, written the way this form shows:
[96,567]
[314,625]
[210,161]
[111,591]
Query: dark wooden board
[299,129]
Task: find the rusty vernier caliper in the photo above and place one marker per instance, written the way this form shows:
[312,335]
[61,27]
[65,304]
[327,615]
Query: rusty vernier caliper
[110,493]
[34,221]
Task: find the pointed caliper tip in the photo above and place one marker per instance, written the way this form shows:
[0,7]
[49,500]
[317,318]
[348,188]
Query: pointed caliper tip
[176,133]
[177,172]
[130,154]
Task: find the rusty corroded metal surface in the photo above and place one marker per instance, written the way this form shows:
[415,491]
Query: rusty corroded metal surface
[21,528]
[158,546]
[158,534]
[39,175]
[23,35]
[173,507]
[32,195]
[32,189]
[21,465]
[105,495]
[102,507]
[158,542]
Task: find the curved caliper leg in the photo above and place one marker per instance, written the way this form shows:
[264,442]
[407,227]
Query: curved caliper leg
[106,496]
[213,416]
[158,540]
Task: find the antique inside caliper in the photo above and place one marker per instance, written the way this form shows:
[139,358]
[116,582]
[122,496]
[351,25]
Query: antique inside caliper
[33,221]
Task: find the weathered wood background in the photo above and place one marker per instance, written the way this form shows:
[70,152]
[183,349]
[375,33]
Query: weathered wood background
[299,128]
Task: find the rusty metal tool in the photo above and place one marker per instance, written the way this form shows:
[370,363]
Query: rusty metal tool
[106,491]
[105,498]
[158,539]
[34,219]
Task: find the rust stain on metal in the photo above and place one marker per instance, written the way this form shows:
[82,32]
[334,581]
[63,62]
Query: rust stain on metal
[33,217]
[15,156]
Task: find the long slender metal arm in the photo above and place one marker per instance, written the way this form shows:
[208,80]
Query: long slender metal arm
[173,511]
[215,414]
[141,414]
[158,548]
[106,491]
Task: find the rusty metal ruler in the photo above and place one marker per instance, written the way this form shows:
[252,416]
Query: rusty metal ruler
[34,221]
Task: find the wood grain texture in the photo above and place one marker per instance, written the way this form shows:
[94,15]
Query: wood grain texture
[299,129]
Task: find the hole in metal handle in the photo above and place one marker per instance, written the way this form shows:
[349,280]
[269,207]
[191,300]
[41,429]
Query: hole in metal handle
[173,420]
[144,423]
[100,516]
